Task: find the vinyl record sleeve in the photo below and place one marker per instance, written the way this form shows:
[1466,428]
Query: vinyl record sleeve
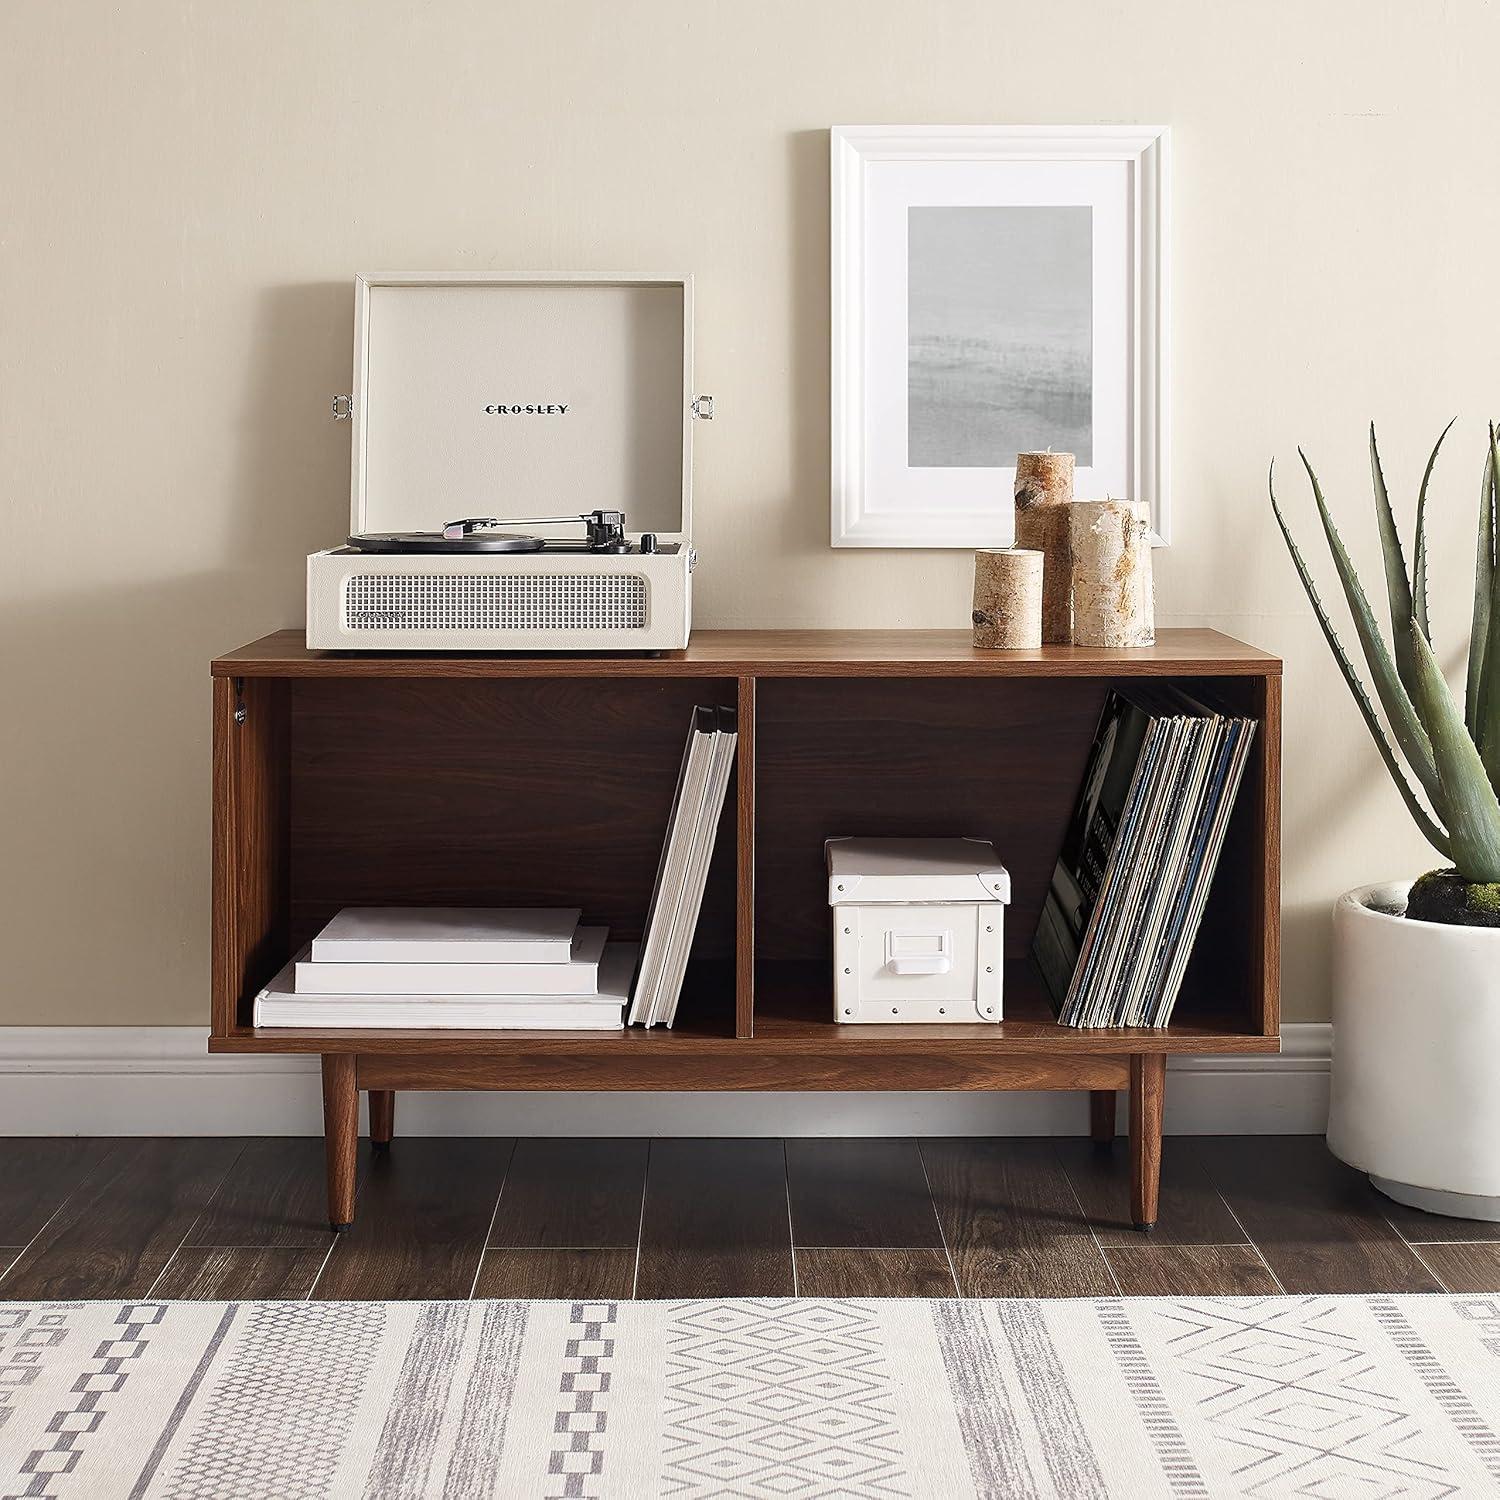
[666,893]
[700,856]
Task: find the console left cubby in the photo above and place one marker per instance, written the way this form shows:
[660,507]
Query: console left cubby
[450,790]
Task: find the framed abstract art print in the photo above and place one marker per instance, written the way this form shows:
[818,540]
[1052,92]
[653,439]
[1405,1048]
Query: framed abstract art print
[996,290]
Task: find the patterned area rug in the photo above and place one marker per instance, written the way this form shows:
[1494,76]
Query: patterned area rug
[1307,1396]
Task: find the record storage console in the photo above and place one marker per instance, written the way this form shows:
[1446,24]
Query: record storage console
[373,779]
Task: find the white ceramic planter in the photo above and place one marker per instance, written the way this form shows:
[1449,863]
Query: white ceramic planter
[1416,1054]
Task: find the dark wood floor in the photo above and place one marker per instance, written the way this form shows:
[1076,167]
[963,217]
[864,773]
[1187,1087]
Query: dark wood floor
[680,1218]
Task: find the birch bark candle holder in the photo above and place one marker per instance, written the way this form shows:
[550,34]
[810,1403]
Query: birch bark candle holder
[1113,602]
[1008,584]
[1043,493]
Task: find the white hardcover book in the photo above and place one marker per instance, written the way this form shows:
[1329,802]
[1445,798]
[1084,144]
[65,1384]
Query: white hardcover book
[448,935]
[705,835]
[692,782]
[579,976]
[280,1005]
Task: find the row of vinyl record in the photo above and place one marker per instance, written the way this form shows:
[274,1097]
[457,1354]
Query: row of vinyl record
[1139,855]
[531,968]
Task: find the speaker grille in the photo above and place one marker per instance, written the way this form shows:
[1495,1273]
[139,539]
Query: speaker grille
[458,601]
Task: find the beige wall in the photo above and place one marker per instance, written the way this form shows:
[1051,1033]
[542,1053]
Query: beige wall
[187,188]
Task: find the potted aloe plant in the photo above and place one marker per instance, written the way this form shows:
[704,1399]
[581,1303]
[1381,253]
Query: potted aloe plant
[1416,984]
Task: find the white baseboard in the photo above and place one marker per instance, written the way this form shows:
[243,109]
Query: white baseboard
[160,1080]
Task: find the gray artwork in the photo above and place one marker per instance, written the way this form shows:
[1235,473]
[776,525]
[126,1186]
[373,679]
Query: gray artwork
[999,335]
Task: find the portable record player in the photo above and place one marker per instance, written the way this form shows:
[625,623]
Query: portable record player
[522,468]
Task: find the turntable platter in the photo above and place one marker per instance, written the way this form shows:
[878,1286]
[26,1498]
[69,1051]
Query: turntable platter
[435,541]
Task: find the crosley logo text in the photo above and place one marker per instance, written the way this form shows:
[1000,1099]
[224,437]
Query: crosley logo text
[528,409]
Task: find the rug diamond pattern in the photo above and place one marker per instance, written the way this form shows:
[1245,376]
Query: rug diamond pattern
[783,1398]
[1299,1399]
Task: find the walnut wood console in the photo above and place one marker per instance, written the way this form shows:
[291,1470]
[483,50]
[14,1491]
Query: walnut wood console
[546,780]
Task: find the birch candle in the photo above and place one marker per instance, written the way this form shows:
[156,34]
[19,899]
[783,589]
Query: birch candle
[1043,493]
[1007,599]
[1113,604]
[1044,478]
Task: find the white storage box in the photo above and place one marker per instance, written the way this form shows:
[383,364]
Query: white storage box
[918,929]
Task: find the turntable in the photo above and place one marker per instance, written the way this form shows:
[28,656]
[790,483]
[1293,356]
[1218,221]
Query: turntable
[604,531]
[471,388]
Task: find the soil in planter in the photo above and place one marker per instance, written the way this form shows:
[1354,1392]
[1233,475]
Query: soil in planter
[1445,896]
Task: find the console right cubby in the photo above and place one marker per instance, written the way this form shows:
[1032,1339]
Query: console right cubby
[994,757]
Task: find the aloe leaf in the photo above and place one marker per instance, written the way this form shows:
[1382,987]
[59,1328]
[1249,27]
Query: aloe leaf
[1473,810]
[1419,544]
[1397,583]
[1405,724]
[1484,584]
[1488,737]
[1431,831]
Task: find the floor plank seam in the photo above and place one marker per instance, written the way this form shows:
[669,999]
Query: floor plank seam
[484,1244]
[958,1291]
[197,1219]
[322,1266]
[640,1223]
[1223,1197]
[1399,1231]
[1062,1166]
[1441,1244]
[1423,1262]
[68,1197]
[791,1233]
[1261,1256]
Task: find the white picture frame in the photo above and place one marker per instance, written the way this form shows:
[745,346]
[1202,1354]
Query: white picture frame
[881,175]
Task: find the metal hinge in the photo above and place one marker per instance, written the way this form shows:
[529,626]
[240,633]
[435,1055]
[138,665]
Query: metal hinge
[343,408]
[703,408]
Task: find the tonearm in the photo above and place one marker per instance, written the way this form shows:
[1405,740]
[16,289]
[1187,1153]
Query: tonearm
[604,530]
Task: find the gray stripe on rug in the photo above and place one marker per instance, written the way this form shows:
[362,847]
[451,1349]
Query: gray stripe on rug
[475,1465]
[992,1440]
[1456,1406]
[1166,1438]
[1068,1451]
[184,1401]
[407,1441]
[283,1403]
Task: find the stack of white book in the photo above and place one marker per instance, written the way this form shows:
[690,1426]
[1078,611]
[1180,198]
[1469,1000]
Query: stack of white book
[480,968]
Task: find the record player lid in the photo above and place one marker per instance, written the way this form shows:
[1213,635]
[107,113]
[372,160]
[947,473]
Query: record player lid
[517,397]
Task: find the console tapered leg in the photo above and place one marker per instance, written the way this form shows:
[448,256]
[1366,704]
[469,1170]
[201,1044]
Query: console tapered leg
[382,1118]
[1148,1084]
[1102,1116]
[340,1135]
